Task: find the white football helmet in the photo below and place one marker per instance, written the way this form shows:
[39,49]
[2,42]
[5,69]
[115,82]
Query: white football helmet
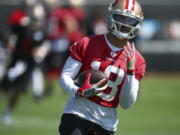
[124,18]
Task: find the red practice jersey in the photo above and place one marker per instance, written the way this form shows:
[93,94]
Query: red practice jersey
[94,53]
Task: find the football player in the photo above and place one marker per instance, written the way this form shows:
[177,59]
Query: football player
[27,50]
[94,113]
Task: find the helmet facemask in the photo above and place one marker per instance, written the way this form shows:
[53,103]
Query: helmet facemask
[124,18]
[122,26]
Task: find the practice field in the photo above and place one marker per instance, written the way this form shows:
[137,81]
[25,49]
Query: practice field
[157,111]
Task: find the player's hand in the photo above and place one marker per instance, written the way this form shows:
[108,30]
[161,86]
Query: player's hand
[129,53]
[88,90]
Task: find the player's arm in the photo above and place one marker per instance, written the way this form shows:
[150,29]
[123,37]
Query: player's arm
[130,87]
[129,91]
[72,67]
[69,72]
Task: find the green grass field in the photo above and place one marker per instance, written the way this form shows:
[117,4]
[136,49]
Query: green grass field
[157,111]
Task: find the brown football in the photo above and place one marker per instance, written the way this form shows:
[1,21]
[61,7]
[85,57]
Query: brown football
[96,76]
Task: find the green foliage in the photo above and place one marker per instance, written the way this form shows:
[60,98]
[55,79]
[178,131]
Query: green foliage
[156,112]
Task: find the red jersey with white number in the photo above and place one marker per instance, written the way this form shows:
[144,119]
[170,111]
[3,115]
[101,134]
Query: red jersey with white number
[94,53]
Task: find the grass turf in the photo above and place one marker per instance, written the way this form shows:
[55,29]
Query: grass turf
[156,112]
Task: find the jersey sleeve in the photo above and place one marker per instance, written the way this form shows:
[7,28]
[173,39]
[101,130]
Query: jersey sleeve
[140,67]
[78,49]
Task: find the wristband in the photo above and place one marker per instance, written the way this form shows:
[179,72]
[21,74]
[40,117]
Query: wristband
[130,71]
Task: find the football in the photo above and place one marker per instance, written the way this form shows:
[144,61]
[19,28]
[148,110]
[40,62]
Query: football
[96,76]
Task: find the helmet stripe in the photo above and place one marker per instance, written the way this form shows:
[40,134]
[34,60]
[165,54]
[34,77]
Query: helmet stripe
[133,5]
[127,4]
[130,5]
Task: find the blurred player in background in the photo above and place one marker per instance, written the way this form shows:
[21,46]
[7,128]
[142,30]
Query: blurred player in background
[63,30]
[96,22]
[27,50]
[95,113]
[3,56]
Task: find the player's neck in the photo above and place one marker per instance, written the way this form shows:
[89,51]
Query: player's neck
[120,43]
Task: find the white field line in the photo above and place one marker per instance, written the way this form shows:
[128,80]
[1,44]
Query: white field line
[40,123]
[31,122]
